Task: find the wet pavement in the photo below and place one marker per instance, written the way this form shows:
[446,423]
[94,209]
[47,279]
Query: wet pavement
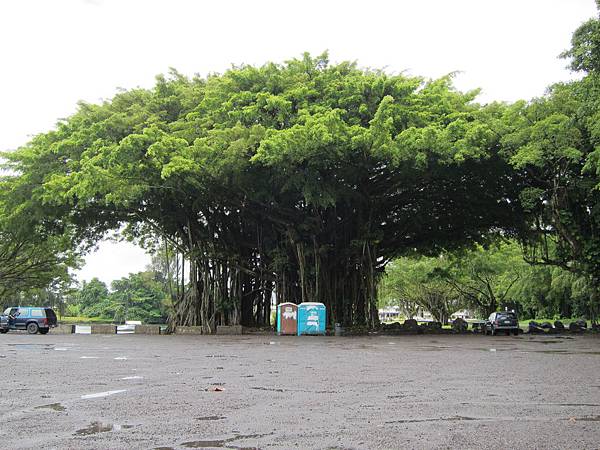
[244,392]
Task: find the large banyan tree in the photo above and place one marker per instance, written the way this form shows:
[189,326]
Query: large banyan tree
[295,181]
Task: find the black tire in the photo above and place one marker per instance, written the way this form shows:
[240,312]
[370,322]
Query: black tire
[32,328]
[44,330]
[3,331]
[507,332]
[516,332]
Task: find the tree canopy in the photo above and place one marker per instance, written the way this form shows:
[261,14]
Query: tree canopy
[299,180]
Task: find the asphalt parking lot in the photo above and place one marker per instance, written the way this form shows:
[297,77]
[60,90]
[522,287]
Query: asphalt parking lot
[180,392]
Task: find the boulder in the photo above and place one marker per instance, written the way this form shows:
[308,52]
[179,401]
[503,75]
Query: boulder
[188,330]
[535,328]
[581,323]
[546,325]
[575,327]
[103,328]
[392,326]
[559,325]
[460,325]
[63,329]
[229,329]
[147,329]
[477,327]
[410,325]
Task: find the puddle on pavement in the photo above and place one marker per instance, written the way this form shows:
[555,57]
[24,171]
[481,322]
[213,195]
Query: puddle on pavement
[435,419]
[102,394]
[222,442]
[261,388]
[53,407]
[561,352]
[32,346]
[99,427]
[586,419]
[202,444]
[211,418]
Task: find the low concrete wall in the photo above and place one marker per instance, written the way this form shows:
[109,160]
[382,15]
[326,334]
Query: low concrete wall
[98,328]
[147,329]
[63,329]
[229,329]
[188,330]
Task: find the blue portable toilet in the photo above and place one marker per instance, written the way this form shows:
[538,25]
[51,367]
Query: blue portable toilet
[311,318]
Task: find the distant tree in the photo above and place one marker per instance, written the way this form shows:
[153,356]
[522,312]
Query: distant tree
[92,294]
[416,281]
[484,278]
[138,297]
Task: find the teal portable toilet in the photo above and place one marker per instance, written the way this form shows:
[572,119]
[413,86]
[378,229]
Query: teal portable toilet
[311,318]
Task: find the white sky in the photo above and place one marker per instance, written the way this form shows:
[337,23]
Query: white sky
[54,53]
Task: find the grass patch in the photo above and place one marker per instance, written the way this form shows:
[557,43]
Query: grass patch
[83,319]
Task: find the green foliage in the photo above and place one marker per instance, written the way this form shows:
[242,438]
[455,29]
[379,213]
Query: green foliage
[412,283]
[301,178]
[139,296]
[585,47]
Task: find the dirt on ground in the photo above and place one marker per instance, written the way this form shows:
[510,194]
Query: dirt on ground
[181,392]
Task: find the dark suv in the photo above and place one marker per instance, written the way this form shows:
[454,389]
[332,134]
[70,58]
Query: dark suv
[506,321]
[30,318]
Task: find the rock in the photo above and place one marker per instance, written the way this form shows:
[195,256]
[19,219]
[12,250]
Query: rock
[101,328]
[188,330]
[535,328]
[229,329]
[575,328]
[581,323]
[147,329]
[434,325]
[559,325]
[546,325]
[460,325]
[410,325]
[477,327]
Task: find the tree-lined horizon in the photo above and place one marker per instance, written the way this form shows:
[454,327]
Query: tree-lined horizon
[302,180]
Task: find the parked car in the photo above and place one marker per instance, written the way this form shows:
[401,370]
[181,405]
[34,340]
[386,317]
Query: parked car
[502,321]
[34,319]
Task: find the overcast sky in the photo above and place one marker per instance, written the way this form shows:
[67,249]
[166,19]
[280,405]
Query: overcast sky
[56,52]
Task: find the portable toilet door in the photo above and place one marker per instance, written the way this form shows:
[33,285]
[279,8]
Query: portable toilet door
[311,318]
[287,318]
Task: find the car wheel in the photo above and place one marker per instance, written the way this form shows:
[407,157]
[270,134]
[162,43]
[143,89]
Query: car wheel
[32,328]
[3,331]
[516,332]
[44,330]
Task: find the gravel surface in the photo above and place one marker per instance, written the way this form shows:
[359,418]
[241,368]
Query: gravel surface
[179,392]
